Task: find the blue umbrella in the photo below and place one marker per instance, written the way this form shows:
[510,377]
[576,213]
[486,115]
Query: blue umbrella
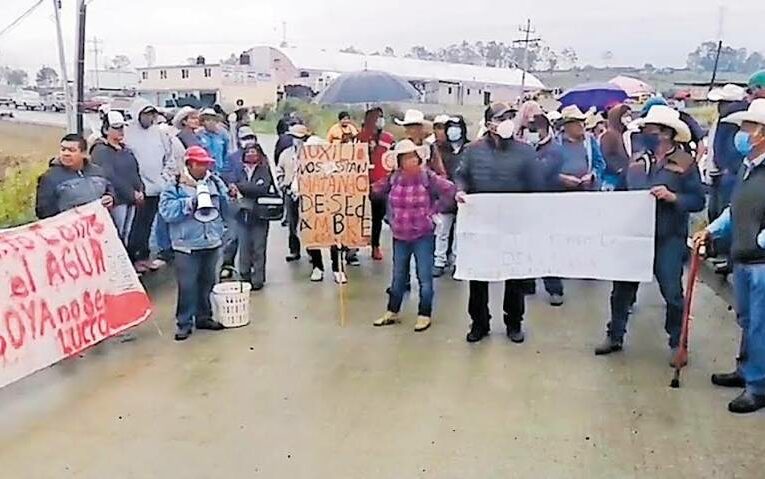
[598,95]
[368,87]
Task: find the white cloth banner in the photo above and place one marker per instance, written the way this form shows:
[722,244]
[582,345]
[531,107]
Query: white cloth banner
[608,236]
[66,283]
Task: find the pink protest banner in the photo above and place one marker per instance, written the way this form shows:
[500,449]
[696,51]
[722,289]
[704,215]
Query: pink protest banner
[66,283]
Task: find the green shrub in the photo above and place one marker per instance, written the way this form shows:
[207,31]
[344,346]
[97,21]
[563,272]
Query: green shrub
[17,194]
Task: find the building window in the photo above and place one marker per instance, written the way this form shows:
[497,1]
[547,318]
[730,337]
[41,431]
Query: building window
[468,91]
[450,90]
[208,72]
[163,74]
[144,75]
[304,74]
[184,73]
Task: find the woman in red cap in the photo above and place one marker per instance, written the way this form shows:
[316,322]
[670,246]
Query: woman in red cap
[194,208]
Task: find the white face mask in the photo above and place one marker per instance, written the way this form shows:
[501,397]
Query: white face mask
[506,129]
[532,137]
[454,133]
[626,120]
[380,123]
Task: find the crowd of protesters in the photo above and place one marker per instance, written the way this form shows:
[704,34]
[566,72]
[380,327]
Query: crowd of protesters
[206,188]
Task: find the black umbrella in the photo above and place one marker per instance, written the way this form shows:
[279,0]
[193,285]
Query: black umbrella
[368,87]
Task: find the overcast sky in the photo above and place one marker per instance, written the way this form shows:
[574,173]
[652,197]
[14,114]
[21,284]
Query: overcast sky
[661,32]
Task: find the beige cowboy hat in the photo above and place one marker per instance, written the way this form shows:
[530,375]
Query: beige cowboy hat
[441,120]
[594,120]
[181,116]
[666,116]
[298,131]
[755,114]
[572,113]
[729,92]
[412,117]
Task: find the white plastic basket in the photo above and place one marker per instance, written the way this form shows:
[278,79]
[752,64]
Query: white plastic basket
[231,303]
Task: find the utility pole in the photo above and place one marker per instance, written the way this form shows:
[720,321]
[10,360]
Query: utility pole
[720,28]
[284,35]
[96,42]
[80,62]
[70,121]
[527,41]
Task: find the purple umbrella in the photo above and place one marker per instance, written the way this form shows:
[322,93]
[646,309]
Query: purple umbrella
[599,95]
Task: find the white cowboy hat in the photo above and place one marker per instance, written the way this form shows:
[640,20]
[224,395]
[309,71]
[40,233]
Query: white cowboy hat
[755,114]
[181,116]
[441,119]
[412,117]
[209,112]
[572,113]
[666,116]
[593,120]
[729,92]
[405,146]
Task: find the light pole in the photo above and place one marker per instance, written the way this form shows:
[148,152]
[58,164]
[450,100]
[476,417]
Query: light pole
[70,122]
[80,63]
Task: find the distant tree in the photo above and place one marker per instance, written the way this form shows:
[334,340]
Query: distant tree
[731,59]
[549,58]
[352,50]
[755,61]
[119,62]
[16,77]
[46,77]
[570,56]
[389,52]
[649,67]
[421,53]
[231,60]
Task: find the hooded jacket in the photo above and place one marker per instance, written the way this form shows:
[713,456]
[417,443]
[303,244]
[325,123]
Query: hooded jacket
[725,156]
[61,188]
[151,148]
[120,168]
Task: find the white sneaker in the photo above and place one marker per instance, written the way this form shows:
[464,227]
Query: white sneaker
[157,264]
[340,278]
[317,275]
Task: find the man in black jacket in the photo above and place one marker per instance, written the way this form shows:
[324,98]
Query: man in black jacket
[496,163]
[673,178]
[71,181]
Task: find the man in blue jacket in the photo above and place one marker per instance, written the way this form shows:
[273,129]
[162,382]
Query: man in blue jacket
[215,140]
[672,177]
[196,240]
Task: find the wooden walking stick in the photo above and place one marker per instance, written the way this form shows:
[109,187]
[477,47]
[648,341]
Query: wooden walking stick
[681,359]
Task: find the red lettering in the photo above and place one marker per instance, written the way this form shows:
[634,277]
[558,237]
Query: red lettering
[69,266]
[3,345]
[74,310]
[53,270]
[28,272]
[29,311]
[19,288]
[45,317]
[63,315]
[65,231]
[39,230]
[17,340]
[103,325]
[92,221]
[100,304]
[85,266]
[61,342]
[98,256]
[76,343]
[87,303]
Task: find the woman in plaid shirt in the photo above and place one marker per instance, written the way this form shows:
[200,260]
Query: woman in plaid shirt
[414,195]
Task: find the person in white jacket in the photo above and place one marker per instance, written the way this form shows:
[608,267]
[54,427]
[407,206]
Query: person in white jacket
[152,150]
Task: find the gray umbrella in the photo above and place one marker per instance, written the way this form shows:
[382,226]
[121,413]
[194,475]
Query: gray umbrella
[368,87]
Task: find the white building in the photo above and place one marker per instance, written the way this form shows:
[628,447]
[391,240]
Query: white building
[441,83]
[210,83]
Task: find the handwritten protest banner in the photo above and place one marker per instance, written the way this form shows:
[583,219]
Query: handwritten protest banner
[607,236]
[333,183]
[66,283]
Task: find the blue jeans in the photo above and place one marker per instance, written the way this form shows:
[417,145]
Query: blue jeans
[162,235]
[554,286]
[668,268]
[196,273]
[749,287]
[423,250]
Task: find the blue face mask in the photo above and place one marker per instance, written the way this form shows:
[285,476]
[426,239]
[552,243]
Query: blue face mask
[743,143]
[454,134]
[651,141]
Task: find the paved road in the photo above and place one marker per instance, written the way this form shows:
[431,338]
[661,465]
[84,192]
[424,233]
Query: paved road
[295,395]
[47,118]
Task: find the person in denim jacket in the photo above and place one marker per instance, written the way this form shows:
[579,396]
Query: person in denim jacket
[196,243]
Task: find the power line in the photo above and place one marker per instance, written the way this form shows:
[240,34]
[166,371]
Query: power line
[21,17]
[526,42]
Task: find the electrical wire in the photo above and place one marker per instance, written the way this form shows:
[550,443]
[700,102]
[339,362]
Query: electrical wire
[21,17]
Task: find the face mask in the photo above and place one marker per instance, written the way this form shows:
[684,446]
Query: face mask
[651,141]
[743,143]
[454,134]
[380,123]
[626,120]
[532,138]
[506,129]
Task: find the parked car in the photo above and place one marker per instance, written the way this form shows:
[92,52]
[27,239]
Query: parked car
[92,104]
[55,101]
[6,99]
[29,100]
[6,114]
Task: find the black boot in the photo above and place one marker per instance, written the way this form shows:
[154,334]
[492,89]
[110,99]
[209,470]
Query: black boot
[608,346]
[730,380]
[182,334]
[515,332]
[209,324]
[477,333]
[747,403]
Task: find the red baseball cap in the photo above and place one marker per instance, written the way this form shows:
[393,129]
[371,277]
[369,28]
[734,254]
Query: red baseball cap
[197,154]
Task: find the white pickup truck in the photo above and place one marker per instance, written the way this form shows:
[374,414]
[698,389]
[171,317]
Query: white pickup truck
[55,101]
[29,100]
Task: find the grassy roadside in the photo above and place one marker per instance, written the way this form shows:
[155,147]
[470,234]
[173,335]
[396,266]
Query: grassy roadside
[24,154]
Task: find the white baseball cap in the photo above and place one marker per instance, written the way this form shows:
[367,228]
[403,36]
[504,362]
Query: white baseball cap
[115,119]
